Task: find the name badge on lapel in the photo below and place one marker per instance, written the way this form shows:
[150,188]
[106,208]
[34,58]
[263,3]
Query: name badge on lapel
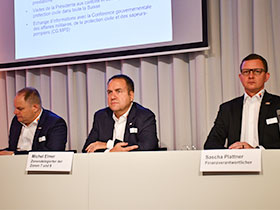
[133,130]
[271,121]
[42,138]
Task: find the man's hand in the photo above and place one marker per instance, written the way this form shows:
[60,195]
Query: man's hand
[4,152]
[96,146]
[121,147]
[240,145]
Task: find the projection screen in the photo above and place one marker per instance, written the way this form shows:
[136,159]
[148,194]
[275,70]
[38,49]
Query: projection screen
[38,33]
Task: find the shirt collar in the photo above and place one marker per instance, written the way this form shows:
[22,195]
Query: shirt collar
[36,121]
[124,116]
[258,96]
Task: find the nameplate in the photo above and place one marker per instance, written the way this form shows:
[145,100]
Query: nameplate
[49,162]
[231,160]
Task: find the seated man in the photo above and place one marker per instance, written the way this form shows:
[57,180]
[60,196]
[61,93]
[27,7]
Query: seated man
[124,125]
[249,121]
[34,128]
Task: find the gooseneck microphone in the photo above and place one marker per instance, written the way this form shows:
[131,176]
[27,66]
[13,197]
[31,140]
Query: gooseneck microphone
[278,117]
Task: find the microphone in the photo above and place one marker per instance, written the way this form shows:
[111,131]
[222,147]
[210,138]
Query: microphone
[278,117]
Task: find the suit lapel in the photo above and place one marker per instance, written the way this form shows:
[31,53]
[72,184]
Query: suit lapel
[15,135]
[237,116]
[265,105]
[129,122]
[110,123]
[38,131]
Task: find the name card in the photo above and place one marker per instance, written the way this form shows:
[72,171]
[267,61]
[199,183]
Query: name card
[49,161]
[231,160]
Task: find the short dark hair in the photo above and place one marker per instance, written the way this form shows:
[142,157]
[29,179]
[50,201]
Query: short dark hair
[254,56]
[31,95]
[129,82]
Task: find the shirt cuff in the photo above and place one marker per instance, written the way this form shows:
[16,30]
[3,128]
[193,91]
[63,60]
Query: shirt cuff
[107,150]
[110,144]
[260,147]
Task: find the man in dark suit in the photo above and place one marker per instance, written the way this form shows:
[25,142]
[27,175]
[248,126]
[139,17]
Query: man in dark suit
[249,121]
[34,128]
[124,125]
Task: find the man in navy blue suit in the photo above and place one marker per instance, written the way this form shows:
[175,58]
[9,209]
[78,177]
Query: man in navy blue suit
[34,128]
[124,125]
[249,121]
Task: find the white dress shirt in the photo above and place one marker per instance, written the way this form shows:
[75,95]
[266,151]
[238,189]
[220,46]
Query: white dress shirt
[27,135]
[250,118]
[119,129]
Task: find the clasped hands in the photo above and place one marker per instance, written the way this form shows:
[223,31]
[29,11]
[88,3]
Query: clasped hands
[240,145]
[119,147]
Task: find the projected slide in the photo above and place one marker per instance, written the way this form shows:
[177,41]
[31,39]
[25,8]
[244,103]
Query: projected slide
[51,27]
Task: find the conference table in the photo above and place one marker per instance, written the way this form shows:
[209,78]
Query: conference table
[139,180]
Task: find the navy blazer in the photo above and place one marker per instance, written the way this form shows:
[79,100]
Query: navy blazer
[50,125]
[141,120]
[228,124]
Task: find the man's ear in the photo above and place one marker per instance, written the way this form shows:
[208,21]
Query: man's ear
[240,75]
[35,107]
[267,76]
[131,94]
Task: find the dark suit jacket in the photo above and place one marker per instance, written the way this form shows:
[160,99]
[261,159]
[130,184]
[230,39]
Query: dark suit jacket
[50,125]
[228,124]
[139,117]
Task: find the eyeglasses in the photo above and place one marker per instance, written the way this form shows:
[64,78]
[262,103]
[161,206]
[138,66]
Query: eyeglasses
[256,71]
